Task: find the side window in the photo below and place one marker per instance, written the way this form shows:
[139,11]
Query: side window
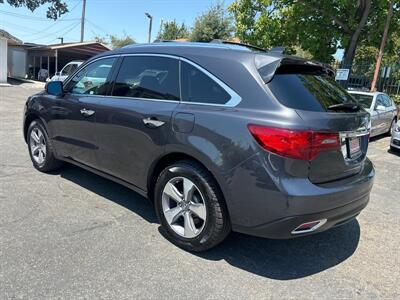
[92,79]
[379,101]
[73,69]
[66,70]
[148,77]
[198,87]
[387,101]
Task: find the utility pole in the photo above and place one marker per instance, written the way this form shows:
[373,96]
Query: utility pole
[61,39]
[150,24]
[382,48]
[83,20]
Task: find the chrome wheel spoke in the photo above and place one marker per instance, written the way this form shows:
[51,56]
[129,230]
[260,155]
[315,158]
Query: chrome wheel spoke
[173,214]
[35,136]
[35,150]
[188,189]
[189,227]
[172,192]
[41,156]
[199,209]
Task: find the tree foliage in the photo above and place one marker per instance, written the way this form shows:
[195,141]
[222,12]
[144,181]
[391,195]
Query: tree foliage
[55,9]
[170,30]
[212,24]
[115,41]
[319,27]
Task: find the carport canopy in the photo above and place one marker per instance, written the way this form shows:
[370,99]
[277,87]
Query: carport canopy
[63,53]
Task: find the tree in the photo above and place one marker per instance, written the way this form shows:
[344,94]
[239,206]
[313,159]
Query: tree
[54,11]
[114,41]
[317,26]
[382,47]
[212,24]
[170,30]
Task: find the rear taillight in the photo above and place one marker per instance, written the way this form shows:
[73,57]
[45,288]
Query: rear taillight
[298,144]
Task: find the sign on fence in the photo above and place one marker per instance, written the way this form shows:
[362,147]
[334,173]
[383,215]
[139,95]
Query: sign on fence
[342,74]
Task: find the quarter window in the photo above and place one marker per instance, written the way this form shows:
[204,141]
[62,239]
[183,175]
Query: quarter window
[198,87]
[93,79]
[148,77]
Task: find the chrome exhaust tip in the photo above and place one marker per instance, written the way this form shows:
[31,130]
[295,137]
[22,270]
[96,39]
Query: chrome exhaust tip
[309,226]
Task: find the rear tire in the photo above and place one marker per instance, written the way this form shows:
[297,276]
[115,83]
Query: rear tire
[40,148]
[195,197]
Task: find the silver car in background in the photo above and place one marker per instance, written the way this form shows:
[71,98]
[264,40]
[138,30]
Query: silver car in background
[383,111]
[395,141]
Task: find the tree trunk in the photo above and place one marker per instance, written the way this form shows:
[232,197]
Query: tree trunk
[350,50]
[382,48]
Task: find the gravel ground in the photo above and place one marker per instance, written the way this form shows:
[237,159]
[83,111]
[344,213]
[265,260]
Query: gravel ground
[72,235]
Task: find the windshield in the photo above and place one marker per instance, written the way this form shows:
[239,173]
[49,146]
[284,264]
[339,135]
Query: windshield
[308,91]
[364,100]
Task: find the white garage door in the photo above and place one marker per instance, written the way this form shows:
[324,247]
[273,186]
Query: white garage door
[18,63]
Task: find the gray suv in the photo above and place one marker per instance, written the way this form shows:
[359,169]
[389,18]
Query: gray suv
[220,137]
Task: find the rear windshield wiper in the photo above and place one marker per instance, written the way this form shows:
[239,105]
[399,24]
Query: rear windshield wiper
[345,106]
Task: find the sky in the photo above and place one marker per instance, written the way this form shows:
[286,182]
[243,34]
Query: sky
[103,17]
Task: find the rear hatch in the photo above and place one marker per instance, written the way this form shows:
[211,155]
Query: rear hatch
[325,107]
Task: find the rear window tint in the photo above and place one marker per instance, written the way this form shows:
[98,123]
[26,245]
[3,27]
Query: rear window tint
[313,92]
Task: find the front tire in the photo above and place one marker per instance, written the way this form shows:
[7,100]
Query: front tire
[190,207]
[40,148]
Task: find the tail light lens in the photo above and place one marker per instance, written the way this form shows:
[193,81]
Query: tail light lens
[298,144]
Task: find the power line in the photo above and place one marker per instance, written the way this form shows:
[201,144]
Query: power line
[34,18]
[58,20]
[59,32]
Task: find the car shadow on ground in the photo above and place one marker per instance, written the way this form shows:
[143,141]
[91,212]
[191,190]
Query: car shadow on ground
[275,259]
[394,152]
[110,190]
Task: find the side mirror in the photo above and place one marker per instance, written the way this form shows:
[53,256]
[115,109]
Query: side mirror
[57,73]
[54,88]
[380,108]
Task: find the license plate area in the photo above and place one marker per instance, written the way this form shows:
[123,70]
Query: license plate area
[351,146]
[354,147]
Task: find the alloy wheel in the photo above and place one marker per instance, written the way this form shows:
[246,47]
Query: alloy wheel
[184,207]
[37,143]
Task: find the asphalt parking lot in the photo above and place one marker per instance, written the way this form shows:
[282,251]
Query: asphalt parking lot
[73,234]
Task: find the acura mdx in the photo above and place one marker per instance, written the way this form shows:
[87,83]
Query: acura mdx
[220,137]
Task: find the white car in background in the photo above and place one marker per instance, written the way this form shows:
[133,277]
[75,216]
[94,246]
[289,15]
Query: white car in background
[383,111]
[68,69]
[395,141]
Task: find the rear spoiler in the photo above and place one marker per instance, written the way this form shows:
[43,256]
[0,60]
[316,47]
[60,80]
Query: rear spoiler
[268,66]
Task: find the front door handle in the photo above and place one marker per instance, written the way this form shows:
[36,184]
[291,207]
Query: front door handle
[87,112]
[152,122]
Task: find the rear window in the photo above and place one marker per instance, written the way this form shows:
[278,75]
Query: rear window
[364,100]
[312,91]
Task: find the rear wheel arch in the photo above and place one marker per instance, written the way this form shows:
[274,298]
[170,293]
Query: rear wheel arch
[169,159]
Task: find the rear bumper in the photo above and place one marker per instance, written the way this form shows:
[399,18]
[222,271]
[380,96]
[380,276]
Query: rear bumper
[282,229]
[271,206]
[395,141]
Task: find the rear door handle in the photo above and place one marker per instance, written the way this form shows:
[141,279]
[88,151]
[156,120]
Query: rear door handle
[152,122]
[87,112]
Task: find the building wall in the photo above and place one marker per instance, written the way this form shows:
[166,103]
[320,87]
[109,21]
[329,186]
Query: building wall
[16,62]
[3,60]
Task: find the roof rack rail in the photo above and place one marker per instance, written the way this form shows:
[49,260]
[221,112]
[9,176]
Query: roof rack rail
[162,41]
[279,50]
[217,41]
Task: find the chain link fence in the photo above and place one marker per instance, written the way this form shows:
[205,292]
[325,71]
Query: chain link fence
[361,75]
